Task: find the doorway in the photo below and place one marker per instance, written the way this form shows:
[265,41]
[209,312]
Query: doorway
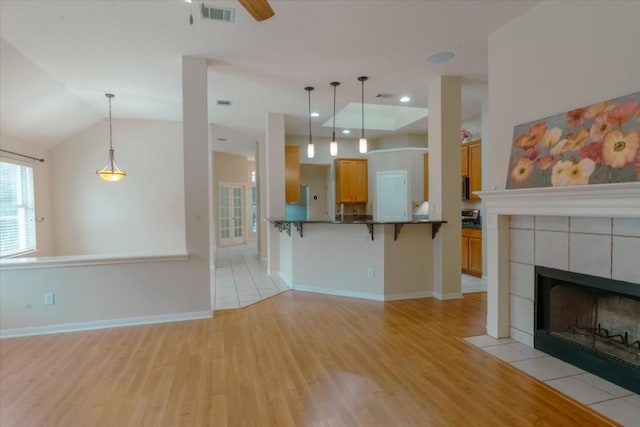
[231,211]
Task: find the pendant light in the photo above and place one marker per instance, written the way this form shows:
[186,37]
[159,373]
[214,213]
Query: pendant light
[111,172]
[310,149]
[333,145]
[363,141]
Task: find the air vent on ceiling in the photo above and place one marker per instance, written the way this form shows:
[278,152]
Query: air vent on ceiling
[384,95]
[218,13]
[223,102]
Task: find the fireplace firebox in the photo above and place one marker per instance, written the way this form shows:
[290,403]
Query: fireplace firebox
[590,322]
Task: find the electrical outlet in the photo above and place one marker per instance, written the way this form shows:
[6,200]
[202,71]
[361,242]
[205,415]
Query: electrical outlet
[370,273]
[48,298]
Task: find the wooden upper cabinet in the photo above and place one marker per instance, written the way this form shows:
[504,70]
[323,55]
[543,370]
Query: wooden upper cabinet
[351,180]
[475,169]
[426,176]
[464,160]
[471,166]
[292,173]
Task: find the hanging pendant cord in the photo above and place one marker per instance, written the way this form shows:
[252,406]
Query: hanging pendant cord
[309,89]
[362,104]
[335,84]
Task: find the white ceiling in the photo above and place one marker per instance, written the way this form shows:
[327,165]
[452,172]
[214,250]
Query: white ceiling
[59,58]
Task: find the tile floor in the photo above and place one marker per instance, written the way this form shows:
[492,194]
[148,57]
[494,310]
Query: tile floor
[240,278]
[472,284]
[615,402]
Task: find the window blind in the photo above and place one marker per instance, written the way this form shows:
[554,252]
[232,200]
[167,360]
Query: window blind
[17,209]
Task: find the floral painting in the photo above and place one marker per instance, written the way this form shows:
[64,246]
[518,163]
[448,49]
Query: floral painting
[597,144]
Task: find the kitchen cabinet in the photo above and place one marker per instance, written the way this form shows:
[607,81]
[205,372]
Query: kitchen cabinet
[426,176]
[292,173]
[351,180]
[471,166]
[472,251]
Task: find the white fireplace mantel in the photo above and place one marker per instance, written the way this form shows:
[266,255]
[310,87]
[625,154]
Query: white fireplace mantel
[603,200]
[620,200]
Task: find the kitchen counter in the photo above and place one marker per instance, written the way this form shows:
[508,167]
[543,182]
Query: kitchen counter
[283,224]
[357,257]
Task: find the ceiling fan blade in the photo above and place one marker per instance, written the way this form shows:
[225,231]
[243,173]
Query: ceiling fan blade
[259,9]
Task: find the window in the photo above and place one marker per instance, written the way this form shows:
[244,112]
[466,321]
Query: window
[17,209]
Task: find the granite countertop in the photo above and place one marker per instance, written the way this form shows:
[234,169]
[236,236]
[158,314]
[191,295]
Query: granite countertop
[354,219]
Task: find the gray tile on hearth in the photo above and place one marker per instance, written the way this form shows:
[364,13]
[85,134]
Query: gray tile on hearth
[514,352]
[486,340]
[625,259]
[590,254]
[547,368]
[552,223]
[521,244]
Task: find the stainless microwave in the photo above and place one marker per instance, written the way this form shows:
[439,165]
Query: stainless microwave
[465,188]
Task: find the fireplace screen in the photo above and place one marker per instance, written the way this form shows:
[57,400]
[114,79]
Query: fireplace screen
[595,320]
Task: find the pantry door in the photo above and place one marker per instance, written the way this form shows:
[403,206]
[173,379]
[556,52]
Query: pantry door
[231,209]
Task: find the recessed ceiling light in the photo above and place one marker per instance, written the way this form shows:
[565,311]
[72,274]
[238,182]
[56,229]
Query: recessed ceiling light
[405,99]
[440,57]
[346,131]
[315,114]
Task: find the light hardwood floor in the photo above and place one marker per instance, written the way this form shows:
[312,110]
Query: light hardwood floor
[296,359]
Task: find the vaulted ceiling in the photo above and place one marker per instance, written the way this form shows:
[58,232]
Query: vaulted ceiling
[59,58]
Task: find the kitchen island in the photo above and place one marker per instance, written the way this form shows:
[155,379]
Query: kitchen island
[358,257]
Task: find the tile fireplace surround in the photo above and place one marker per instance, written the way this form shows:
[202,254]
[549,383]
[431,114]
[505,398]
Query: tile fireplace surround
[590,229]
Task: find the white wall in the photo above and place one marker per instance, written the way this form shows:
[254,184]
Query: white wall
[555,58]
[143,213]
[110,294]
[42,189]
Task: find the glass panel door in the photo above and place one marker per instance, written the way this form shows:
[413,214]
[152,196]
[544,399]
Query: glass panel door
[231,209]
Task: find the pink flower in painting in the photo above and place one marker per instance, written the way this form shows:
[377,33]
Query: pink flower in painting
[570,143]
[524,141]
[597,109]
[576,117]
[601,125]
[531,153]
[592,151]
[623,112]
[620,150]
[551,137]
[543,163]
[638,165]
[537,131]
[521,172]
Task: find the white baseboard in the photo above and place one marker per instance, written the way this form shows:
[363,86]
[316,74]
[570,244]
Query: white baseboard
[340,293]
[102,324]
[452,295]
[408,295]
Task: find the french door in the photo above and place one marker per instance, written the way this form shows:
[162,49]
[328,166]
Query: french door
[231,210]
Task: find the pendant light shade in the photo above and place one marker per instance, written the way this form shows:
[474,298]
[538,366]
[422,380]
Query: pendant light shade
[310,149]
[333,145]
[363,141]
[110,172]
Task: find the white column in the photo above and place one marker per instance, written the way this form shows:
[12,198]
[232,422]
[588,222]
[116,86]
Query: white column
[486,169]
[444,183]
[274,188]
[497,237]
[197,167]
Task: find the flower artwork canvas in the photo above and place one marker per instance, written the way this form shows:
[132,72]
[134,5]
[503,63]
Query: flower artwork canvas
[597,144]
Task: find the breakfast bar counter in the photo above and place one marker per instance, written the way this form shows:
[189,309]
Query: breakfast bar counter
[391,260]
